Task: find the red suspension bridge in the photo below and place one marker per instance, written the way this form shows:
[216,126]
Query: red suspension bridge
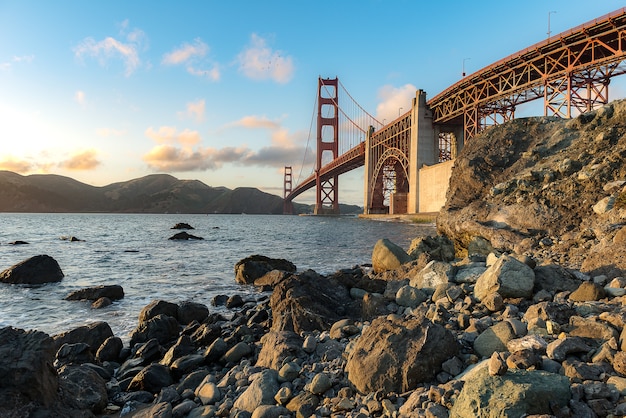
[408,161]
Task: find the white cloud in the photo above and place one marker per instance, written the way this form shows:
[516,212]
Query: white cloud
[394,101]
[192,56]
[260,62]
[110,48]
[185,53]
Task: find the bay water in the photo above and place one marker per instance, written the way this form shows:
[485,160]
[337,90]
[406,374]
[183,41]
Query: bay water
[133,251]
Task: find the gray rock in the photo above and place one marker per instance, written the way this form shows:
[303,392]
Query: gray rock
[160,410]
[158,307]
[110,349]
[256,266]
[277,346]
[437,248]
[26,358]
[270,411]
[163,328]
[512,395]
[435,273]
[113,292]
[288,372]
[410,296]
[188,312]
[239,351]
[83,388]
[388,256]
[559,349]
[494,338]
[208,392]
[260,392]
[395,355]
[320,384]
[35,270]
[509,277]
[93,334]
[152,378]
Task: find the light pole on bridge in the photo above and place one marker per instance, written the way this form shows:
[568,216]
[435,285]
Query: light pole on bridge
[464,59]
[549,31]
[399,110]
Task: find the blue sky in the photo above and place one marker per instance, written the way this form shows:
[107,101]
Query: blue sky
[224,91]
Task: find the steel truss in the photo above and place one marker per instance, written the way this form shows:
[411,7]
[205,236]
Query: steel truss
[569,72]
[389,156]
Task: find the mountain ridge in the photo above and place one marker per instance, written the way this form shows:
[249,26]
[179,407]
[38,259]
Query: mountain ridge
[154,193]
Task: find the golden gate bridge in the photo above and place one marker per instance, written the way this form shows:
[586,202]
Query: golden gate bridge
[408,160]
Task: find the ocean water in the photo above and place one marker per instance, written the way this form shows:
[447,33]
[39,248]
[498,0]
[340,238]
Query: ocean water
[134,251]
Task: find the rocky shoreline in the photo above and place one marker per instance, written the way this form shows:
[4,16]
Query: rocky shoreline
[417,334]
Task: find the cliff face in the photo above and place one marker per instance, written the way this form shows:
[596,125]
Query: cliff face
[159,193]
[546,187]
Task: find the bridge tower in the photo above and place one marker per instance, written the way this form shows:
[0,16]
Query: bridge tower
[326,196]
[287,187]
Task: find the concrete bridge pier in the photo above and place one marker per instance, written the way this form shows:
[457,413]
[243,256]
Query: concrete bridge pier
[420,152]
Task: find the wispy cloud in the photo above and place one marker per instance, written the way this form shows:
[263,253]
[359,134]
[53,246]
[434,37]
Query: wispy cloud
[82,160]
[192,56]
[112,48]
[194,110]
[7,65]
[393,101]
[185,53]
[260,62]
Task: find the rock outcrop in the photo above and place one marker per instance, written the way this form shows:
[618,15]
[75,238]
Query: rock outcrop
[36,270]
[548,187]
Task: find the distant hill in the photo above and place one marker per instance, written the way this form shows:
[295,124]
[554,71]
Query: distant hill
[157,193]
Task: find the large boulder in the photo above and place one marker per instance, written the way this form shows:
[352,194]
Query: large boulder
[388,256]
[39,269]
[83,388]
[396,355]
[26,359]
[256,266]
[308,302]
[515,394]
